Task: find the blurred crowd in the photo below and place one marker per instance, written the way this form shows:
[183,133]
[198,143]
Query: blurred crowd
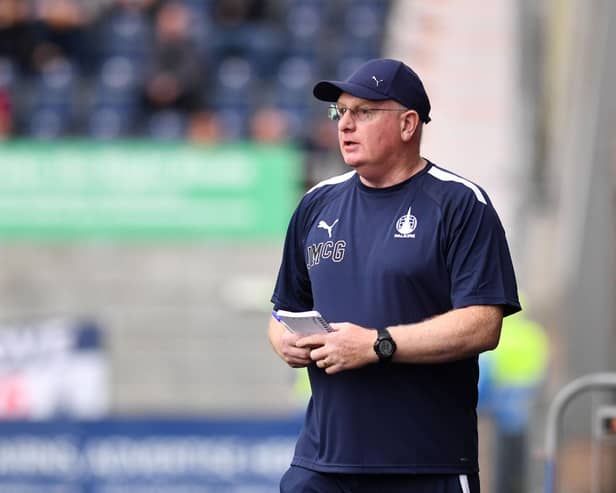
[202,70]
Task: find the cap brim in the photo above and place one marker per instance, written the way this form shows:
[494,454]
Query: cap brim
[330,90]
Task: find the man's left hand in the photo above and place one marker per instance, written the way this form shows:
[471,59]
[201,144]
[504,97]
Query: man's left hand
[348,346]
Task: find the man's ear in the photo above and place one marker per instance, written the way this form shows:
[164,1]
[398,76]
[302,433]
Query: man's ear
[408,125]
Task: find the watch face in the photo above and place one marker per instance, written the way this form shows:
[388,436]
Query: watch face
[386,348]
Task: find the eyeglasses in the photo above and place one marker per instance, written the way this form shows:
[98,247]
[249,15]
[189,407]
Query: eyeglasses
[335,112]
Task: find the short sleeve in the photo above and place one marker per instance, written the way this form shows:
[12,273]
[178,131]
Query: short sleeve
[293,290]
[478,257]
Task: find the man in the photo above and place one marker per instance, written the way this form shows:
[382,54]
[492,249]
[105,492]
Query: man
[410,264]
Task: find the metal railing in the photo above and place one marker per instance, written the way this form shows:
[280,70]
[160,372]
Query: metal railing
[594,381]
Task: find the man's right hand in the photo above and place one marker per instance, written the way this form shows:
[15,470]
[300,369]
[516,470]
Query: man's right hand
[283,341]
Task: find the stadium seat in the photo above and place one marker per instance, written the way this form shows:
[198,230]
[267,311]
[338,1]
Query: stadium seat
[166,125]
[51,109]
[114,103]
[234,82]
[294,80]
[200,7]
[56,83]
[297,117]
[304,23]
[109,122]
[46,123]
[363,23]
[117,82]
[126,34]
[234,122]
[8,74]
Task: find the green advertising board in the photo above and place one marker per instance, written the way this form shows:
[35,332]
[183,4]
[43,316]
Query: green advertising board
[142,189]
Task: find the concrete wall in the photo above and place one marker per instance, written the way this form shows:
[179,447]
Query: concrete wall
[185,324]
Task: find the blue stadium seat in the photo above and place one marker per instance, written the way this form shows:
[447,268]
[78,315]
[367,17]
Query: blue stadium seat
[53,102]
[362,31]
[8,74]
[126,34]
[363,23]
[261,45]
[201,10]
[294,79]
[234,82]
[379,5]
[56,83]
[304,24]
[110,122]
[167,125]
[200,7]
[115,101]
[118,81]
[234,121]
[298,118]
[47,123]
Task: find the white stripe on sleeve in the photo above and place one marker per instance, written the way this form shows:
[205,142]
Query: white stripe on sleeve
[446,176]
[464,484]
[333,181]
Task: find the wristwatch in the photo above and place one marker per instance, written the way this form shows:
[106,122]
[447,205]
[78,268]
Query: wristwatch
[384,346]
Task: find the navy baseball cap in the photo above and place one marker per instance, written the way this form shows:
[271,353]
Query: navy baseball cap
[377,80]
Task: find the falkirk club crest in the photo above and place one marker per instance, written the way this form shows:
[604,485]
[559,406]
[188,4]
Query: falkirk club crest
[405,225]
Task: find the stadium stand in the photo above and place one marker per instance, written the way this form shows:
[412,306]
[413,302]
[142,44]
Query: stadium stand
[96,71]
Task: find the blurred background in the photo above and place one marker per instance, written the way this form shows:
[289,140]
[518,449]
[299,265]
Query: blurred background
[152,153]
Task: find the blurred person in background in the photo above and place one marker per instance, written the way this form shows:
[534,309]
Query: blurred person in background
[269,125]
[510,377]
[16,32]
[15,46]
[247,28]
[410,264]
[61,26]
[235,13]
[204,127]
[176,69]
[6,115]
[46,55]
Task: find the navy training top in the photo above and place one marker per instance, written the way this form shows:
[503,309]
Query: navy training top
[387,256]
